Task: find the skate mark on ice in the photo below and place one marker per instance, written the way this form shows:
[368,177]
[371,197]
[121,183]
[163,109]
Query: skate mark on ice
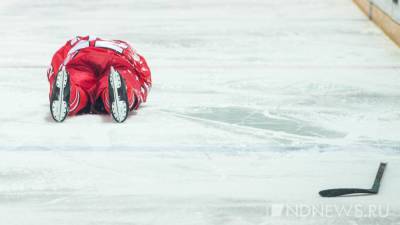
[277,139]
[257,119]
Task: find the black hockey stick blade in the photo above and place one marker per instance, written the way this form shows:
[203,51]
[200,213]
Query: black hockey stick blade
[346,191]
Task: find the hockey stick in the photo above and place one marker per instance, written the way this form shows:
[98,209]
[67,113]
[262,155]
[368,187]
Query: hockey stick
[346,191]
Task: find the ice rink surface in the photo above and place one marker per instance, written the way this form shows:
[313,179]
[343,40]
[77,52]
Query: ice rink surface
[255,107]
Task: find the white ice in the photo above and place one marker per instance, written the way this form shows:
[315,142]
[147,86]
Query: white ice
[255,105]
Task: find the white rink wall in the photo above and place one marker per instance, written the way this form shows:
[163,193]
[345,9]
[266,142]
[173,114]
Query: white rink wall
[389,7]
